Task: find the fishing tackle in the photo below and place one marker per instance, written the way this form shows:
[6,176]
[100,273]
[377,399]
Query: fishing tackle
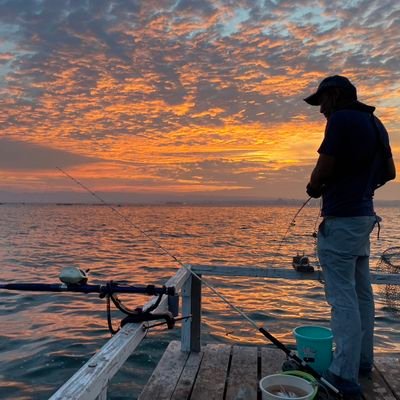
[73,275]
[290,353]
[301,263]
[75,280]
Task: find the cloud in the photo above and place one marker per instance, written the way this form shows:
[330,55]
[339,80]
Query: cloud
[167,82]
[27,156]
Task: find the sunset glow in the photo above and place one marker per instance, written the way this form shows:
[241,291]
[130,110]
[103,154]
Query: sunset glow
[182,99]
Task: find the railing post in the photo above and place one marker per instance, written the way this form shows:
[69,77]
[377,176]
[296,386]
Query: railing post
[191,305]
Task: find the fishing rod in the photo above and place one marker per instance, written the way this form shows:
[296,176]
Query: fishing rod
[103,290]
[289,353]
[75,280]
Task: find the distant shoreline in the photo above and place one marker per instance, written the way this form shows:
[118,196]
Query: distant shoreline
[214,203]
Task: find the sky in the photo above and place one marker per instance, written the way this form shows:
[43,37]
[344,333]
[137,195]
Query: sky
[182,100]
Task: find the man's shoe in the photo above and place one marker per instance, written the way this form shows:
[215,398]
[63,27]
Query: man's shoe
[350,390]
[365,371]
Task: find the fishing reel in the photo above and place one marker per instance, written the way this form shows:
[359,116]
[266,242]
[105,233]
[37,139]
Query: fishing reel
[73,276]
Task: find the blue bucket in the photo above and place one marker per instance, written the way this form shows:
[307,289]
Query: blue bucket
[314,346]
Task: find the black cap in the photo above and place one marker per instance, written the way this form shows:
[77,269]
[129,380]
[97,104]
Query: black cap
[335,81]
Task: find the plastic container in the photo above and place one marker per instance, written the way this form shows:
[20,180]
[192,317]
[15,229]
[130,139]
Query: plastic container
[273,386]
[309,378]
[314,346]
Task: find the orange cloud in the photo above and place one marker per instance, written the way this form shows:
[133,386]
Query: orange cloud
[165,96]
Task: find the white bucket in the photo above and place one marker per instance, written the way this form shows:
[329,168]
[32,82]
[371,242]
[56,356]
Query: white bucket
[271,385]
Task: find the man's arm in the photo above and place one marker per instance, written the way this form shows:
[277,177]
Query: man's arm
[391,169]
[390,172]
[320,175]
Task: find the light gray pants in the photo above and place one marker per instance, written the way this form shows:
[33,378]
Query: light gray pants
[343,250]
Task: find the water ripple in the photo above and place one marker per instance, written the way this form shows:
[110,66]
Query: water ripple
[45,338]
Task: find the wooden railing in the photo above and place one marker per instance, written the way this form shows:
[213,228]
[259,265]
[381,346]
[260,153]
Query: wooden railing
[91,381]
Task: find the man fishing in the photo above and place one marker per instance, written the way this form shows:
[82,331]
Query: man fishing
[355,159]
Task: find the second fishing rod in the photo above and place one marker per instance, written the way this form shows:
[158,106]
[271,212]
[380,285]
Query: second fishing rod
[289,353]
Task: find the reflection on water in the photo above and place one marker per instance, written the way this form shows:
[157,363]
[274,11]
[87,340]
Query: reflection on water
[45,338]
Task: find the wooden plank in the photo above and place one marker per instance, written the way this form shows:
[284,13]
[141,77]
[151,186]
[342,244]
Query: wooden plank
[210,382]
[92,378]
[375,388]
[389,369]
[282,273]
[242,380]
[271,361]
[211,368]
[188,377]
[164,379]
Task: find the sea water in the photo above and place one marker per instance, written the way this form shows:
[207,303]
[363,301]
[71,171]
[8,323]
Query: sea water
[46,337]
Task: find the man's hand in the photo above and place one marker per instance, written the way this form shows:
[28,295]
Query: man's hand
[313,192]
[320,175]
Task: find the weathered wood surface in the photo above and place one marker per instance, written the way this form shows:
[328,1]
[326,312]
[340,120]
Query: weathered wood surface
[91,381]
[375,387]
[164,379]
[243,375]
[226,372]
[188,377]
[385,382]
[211,378]
[271,361]
[191,305]
[281,273]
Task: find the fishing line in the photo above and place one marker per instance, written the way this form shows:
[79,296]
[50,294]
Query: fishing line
[291,224]
[315,236]
[290,353]
[166,251]
[159,246]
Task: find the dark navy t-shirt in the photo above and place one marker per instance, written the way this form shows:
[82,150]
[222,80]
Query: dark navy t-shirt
[360,148]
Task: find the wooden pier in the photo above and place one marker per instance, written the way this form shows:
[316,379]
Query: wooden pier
[190,370]
[231,372]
